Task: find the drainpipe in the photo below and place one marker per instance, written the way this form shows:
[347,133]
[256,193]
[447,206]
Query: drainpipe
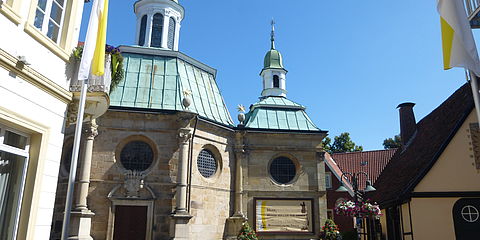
[190,164]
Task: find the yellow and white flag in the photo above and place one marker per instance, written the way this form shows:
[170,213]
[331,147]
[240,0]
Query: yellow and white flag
[93,57]
[459,48]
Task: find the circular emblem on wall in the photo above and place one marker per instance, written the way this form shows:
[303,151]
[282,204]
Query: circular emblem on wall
[470,213]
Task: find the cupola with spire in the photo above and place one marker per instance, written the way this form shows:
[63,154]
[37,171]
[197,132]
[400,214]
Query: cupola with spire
[273,72]
[158,23]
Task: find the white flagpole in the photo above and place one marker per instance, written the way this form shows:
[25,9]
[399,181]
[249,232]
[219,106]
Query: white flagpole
[475,93]
[73,165]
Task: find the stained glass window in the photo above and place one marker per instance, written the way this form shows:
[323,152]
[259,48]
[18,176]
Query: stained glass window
[206,163]
[282,170]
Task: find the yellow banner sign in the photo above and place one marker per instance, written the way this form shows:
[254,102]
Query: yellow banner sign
[292,215]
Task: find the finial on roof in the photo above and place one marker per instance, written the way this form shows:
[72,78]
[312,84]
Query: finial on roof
[272,35]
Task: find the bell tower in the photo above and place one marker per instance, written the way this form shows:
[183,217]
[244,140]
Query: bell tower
[158,23]
[273,72]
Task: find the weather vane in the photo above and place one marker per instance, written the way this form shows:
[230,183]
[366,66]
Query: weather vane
[272,35]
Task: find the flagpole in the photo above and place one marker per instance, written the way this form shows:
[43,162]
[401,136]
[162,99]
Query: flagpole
[74,160]
[475,93]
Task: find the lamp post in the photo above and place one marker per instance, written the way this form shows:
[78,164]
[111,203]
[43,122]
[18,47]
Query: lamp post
[352,178]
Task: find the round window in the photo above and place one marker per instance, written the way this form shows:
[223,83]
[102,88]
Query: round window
[136,155]
[206,163]
[282,170]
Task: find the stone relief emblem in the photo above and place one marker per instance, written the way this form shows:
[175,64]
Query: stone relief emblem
[133,183]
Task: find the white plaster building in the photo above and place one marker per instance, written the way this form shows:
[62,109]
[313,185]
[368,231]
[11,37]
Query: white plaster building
[37,38]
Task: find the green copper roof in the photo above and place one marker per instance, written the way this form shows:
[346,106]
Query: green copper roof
[273,59]
[279,113]
[159,82]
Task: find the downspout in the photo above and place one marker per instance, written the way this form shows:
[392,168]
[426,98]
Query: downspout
[190,165]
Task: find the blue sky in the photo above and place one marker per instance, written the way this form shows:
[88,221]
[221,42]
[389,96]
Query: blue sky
[349,62]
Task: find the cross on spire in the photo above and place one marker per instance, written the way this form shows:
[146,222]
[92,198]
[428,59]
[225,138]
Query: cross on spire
[272,34]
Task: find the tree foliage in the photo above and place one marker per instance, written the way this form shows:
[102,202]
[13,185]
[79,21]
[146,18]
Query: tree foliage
[394,142]
[341,143]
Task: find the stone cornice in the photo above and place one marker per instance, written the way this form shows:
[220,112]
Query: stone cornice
[35,78]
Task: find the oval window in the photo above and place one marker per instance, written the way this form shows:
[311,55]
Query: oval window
[206,163]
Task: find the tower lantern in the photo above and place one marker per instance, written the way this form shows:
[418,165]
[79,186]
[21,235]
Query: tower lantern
[273,72]
[158,23]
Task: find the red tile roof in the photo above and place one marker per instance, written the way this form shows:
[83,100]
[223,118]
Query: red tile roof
[371,162]
[434,132]
[337,172]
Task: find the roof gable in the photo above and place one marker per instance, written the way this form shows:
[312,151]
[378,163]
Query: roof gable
[371,162]
[434,132]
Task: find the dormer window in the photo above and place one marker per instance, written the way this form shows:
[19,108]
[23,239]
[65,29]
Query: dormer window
[157,30]
[276,81]
[143,29]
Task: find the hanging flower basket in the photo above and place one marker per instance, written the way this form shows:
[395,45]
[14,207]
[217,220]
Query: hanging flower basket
[362,209]
[116,63]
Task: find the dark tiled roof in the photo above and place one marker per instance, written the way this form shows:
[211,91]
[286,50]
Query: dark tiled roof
[371,162]
[411,163]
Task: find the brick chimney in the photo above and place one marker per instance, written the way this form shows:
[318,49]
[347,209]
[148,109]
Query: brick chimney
[408,126]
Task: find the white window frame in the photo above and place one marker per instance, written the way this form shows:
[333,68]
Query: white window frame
[47,17]
[21,152]
[328,180]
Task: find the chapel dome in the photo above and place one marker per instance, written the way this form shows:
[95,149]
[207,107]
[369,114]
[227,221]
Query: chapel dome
[273,59]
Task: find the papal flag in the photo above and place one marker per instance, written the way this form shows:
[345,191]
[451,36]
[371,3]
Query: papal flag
[459,48]
[93,57]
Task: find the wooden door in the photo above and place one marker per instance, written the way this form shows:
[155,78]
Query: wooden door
[130,223]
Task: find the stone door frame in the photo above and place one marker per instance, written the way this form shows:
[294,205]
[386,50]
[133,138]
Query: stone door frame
[131,202]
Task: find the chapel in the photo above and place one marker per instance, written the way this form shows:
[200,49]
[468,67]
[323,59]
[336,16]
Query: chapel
[166,161]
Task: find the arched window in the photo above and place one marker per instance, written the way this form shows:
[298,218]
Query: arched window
[143,28]
[171,33]
[276,81]
[157,29]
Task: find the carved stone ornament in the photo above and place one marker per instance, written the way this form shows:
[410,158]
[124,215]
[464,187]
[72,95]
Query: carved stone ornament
[72,112]
[133,183]
[91,130]
[184,134]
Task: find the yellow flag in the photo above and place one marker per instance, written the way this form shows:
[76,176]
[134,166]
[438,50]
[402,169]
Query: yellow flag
[93,57]
[459,49]
[98,63]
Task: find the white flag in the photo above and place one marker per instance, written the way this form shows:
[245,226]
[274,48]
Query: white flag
[95,41]
[459,49]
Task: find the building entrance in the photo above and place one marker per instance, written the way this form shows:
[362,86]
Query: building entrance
[130,223]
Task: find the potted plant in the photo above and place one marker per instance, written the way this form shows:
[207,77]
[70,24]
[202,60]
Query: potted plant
[330,231]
